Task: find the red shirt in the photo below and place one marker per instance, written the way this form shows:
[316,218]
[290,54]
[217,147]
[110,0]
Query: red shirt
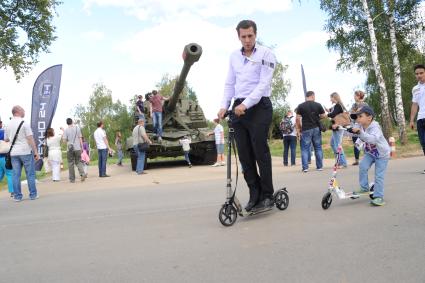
[156,102]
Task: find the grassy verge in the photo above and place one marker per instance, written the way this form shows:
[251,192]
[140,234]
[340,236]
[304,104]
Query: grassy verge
[412,148]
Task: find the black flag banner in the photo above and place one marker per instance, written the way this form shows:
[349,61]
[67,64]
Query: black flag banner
[45,95]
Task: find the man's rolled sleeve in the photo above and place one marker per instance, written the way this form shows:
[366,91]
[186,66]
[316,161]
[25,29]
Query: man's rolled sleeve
[264,86]
[229,87]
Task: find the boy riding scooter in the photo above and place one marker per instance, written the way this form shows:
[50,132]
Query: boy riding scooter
[377,150]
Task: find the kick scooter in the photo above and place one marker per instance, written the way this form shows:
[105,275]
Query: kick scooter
[335,189]
[232,207]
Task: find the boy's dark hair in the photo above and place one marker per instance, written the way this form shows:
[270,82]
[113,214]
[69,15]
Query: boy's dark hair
[68,121]
[419,66]
[100,123]
[246,24]
[309,93]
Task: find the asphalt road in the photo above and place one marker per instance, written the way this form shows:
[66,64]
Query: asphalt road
[163,227]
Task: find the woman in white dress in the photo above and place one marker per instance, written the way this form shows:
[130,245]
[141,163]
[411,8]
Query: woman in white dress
[55,153]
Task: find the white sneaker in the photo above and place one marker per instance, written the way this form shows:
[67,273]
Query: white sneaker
[216,164]
[223,163]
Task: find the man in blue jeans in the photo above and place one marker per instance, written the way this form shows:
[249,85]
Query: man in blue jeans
[309,114]
[23,153]
[103,148]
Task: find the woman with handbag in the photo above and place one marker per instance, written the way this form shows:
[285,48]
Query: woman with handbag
[337,111]
[55,153]
[141,143]
[358,103]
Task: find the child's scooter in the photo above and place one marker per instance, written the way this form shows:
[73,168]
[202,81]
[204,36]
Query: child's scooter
[334,187]
[232,207]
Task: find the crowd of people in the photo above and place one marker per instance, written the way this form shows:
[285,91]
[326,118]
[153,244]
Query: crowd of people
[248,85]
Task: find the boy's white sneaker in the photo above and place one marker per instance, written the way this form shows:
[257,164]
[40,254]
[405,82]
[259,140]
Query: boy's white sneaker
[216,164]
[223,163]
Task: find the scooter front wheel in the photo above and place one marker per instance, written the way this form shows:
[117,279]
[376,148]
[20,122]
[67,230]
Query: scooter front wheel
[227,215]
[327,200]
[281,199]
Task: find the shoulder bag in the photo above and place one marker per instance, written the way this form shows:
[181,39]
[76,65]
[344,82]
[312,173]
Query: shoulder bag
[343,119]
[8,158]
[142,146]
[71,145]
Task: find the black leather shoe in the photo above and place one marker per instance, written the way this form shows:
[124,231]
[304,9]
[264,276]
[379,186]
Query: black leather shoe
[264,204]
[250,205]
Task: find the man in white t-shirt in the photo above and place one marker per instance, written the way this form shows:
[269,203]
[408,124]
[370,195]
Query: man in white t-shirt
[418,105]
[23,153]
[103,148]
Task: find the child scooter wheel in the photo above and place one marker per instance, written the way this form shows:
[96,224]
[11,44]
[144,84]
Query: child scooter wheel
[326,200]
[372,186]
[227,215]
[281,199]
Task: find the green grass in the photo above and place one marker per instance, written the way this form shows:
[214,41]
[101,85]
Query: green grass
[412,148]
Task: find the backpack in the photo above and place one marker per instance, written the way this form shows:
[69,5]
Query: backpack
[286,126]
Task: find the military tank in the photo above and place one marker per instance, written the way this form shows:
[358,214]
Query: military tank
[181,117]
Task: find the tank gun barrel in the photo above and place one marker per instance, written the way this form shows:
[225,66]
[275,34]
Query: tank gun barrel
[191,54]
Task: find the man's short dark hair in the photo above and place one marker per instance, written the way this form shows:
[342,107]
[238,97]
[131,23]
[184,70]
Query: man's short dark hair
[154,92]
[309,93]
[68,121]
[246,24]
[100,123]
[419,66]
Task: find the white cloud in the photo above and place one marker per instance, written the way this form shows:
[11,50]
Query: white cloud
[158,51]
[166,9]
[303,42]
[93,35]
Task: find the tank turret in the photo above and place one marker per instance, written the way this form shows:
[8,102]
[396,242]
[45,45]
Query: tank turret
[191,54]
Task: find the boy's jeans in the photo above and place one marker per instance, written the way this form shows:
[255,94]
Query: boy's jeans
[186,157]
[157,123]
[28,162]
[380,168]
[307,138]
[336,140]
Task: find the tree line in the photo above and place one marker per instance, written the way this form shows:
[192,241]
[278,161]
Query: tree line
[384,39]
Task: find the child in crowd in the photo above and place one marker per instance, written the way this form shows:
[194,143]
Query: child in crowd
[377,150]
[185,142]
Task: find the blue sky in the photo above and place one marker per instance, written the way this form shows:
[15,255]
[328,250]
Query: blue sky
[129,44]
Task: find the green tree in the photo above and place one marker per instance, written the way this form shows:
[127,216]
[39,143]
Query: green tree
[26,30]
[115,115]
[166,87]
[280,90]
[348,27]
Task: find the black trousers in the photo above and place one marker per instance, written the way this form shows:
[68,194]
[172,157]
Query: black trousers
[251,132]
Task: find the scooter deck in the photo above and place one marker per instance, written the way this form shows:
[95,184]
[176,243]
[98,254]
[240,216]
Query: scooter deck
[254,212]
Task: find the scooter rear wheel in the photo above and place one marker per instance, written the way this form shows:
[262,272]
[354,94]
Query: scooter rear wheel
[281,200]
[327,200]
[372,187]
[227,215]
